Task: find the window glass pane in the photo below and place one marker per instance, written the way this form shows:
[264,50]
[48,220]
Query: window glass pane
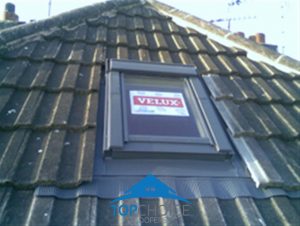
[161,107]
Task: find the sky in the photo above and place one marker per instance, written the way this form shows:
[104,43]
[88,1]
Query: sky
[278,19]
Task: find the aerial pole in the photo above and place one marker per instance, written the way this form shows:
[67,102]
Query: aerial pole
[49,8]
[231,19]
[283,13]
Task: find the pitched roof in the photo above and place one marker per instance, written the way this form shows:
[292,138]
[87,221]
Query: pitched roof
[50,83]
[8,24]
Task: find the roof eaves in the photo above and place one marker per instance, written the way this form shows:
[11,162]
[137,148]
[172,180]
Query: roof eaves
[76,15]
[257,51]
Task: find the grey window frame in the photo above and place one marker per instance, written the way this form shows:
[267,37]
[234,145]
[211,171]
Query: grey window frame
[116,142]
[165,139]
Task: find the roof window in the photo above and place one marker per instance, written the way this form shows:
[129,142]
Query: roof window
[155,110]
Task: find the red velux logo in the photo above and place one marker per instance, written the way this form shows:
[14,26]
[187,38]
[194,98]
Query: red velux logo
[157,101]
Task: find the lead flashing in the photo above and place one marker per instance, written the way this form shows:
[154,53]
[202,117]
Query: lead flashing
[160,68]
[190,188]
[262,171]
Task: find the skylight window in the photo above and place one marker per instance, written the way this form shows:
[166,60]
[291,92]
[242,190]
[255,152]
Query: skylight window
[160,111]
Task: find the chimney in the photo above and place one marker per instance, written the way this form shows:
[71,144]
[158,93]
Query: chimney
[260,38]
[241,34]
[9,13]
[252,38]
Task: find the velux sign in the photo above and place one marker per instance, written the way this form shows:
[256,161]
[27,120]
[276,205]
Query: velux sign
[150,187]
[157,103]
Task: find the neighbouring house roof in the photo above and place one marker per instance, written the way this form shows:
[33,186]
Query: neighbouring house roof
[50,75]
[8,24]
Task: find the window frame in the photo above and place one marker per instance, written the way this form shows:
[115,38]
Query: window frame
[116,141]
[164,139]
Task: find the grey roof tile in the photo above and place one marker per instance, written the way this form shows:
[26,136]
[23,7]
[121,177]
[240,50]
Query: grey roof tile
[285,158]
[279,211]
[38,109]
[285,89]
[76,54]
[98,21]
[64,52]
[122,53]
[196,44]
[27,50]
[49,157]
[11,155]
[153,25]
[121,37]
[28,76]
[62,109]
[133,54]
[240,88]
[164,56]
[218,88]
[13,107]
[294,110]
[137,22]
[251,69]
[88,78]
[70,76]
[14,74]
[264,118]
[5,94]
[99,55]
[207,216]
[89,210]
[144,55]
[235,120]
[27,112]
[41,157]
[190,31]
[247,212]
[263,90]
[217,48]
[185,58]
[225,63]
[179,43]
[56,78]
[160,41]
[141,39]
[116,21]
[260,121]
[53,49]
[296,84]
[208,64]
[171,26]
[50,76]
[80,32]
[288,125]
[101,34]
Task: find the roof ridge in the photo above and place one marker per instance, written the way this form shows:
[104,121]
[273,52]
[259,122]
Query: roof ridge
[75,15]
[249,45]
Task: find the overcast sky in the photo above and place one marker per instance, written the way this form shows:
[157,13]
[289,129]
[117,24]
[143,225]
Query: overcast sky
[278,19]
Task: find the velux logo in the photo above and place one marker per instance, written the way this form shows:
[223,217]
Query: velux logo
[157,101]
[150,187]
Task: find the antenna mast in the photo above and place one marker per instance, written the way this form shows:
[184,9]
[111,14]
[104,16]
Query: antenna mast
[230,19]
[283,11]
[49,7]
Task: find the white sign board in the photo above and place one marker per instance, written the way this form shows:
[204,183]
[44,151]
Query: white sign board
[157,103]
